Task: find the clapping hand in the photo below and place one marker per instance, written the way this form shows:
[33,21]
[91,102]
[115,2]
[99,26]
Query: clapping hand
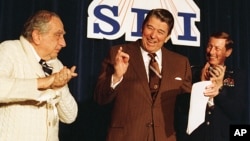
[62,77]
[215,74]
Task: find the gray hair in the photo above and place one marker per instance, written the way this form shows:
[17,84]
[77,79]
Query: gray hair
[38,22]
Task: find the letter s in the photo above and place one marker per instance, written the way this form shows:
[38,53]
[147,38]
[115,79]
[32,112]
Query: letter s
[107,19]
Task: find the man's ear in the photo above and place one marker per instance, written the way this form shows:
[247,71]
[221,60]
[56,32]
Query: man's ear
[228,52]
[36,36]
[167,38]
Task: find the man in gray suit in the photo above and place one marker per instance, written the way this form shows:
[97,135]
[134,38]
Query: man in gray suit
[32,99]
[124,82]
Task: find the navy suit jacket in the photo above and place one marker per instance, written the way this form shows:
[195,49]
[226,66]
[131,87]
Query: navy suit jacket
[230,108]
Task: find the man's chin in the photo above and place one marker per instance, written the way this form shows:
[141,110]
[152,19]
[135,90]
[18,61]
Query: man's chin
[212,63]
[52,58]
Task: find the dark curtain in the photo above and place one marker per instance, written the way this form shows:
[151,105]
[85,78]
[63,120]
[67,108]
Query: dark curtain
[216,15]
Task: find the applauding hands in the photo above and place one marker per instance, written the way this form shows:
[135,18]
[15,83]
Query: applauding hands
[57,80]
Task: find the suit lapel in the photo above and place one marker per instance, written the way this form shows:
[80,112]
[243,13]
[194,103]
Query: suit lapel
[166,63]
[137,63]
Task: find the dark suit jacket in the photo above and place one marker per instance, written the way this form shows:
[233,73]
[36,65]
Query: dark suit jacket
[230,108]
[134,113]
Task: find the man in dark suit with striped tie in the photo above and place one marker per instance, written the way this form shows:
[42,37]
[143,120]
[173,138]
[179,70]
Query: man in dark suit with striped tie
[138,113]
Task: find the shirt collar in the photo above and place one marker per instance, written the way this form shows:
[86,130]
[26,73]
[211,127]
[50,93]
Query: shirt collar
[158,53]
[38,58]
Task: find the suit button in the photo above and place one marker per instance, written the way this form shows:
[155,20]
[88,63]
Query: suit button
[150,124]
[208,123]
[49,106]
[155,86]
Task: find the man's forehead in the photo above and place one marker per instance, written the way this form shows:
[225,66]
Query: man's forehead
[157,23]
[56,25]
[217,41]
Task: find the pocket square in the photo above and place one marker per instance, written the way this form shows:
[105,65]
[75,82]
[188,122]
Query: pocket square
[177,78]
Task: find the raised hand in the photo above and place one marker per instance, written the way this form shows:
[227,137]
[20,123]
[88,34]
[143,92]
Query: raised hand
[121,64]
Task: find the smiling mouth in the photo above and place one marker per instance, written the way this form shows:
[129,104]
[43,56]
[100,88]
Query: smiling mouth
[150,42]
[212,57]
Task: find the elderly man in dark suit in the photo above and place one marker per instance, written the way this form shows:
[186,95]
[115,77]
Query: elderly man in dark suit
[139,114]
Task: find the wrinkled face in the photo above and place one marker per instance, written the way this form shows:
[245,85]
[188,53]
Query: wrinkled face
[52,41]
[154,34]
[216,52]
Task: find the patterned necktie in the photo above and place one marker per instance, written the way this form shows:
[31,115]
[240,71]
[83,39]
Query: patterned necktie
[46,68]
[154,75]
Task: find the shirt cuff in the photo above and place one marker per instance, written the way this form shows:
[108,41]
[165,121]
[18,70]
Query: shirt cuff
[114,85]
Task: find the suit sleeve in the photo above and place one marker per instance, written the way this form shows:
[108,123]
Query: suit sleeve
[187,83]
[104,94]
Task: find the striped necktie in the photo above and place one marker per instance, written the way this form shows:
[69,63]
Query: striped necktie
[154,75]
[46,68]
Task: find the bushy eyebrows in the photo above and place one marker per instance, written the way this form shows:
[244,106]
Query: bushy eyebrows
[60,32]
[158,29]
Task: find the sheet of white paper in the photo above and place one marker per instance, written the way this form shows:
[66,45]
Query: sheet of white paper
[198,103]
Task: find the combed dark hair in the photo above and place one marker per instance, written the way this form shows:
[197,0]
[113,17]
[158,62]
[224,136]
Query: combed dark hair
[223,35]
[38,21]
[164,15]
